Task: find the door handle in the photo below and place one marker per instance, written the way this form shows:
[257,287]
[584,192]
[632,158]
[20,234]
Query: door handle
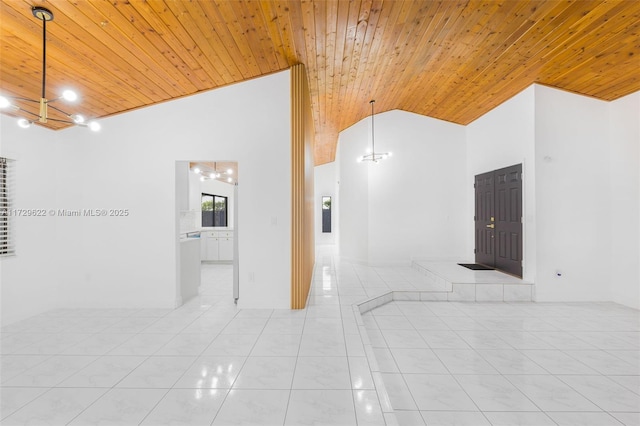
[491,226]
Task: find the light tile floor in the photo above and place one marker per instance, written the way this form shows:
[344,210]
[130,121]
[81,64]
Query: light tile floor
[448,363]
[204,363]
[211,363]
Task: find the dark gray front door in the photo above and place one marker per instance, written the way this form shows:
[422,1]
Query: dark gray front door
[498,222]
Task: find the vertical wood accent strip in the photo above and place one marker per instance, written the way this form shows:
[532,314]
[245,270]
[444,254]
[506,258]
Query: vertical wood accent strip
[302,192]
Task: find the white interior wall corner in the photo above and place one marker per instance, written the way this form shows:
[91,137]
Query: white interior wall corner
[573,226]
[392,212]
[624,134]
[131,261]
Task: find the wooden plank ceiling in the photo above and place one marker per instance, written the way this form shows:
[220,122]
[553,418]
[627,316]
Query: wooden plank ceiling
[454,60]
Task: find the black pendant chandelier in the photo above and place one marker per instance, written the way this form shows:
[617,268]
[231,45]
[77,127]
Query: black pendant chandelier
[8,103]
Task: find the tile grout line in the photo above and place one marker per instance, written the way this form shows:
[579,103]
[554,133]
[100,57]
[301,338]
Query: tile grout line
[127,375]
[295,367]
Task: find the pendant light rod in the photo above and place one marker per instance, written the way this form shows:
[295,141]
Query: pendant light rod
[44,56]
[373,138]
[373,156]
[44,15]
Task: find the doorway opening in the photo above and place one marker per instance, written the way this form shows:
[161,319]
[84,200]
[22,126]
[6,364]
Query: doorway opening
[498,219]
[207,204]
[326,214]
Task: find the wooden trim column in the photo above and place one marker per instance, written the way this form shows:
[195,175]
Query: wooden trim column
[302,192]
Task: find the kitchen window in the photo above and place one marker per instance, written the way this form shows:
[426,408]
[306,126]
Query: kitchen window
[214,210]
[6,205]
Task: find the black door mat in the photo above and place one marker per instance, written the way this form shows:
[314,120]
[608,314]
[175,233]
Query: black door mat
[476,267]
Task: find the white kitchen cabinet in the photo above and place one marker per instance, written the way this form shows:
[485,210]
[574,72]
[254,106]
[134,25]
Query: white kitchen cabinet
[217,246]
[212,248]
[189,268]
[225,248]
[203,247]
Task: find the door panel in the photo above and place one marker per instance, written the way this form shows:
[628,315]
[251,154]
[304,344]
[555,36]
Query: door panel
[498,219]
[485,206]
[509,222]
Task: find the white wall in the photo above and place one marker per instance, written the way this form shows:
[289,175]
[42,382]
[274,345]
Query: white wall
[624,164]
[130,164]
[503,137]
[413,203]
[336,208]
[195,197]
[325,185]
[153,138]
[353,213]
[28,281]
[572,197]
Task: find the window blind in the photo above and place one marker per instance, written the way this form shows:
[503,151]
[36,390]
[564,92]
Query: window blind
[7,243]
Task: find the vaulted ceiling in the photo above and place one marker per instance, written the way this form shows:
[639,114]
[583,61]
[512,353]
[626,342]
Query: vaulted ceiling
[452,59]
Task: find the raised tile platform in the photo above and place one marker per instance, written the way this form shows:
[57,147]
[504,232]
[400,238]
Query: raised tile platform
[465,285]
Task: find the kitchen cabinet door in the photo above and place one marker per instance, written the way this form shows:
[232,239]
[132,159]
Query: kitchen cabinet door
[225,248]
[212,248]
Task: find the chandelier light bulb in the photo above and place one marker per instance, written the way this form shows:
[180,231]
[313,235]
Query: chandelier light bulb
[217,175]
[229,180]
[229,171]
[196,170]
[4,102]
[211,175]
[77,118]
[95,126]
[24,123]
[70,96]
[201,178]
[359,159]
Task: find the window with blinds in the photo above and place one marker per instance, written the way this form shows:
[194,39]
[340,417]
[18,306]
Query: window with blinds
[7,247]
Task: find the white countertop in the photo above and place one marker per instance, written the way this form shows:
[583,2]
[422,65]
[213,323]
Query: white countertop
[188,240]
[183,234]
